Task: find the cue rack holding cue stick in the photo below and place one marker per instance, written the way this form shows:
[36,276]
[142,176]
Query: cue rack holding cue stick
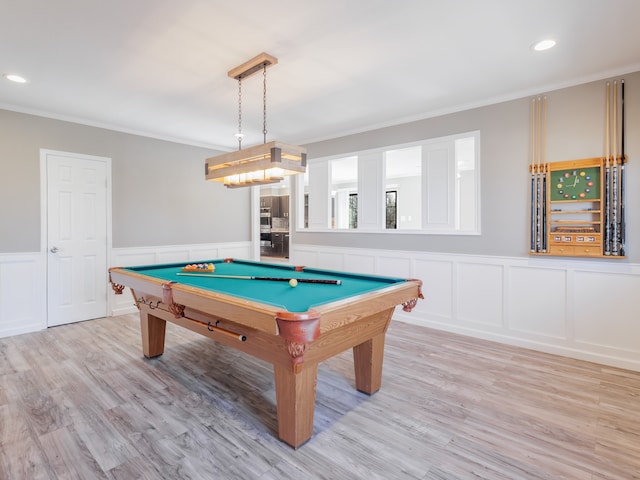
[153,304]
[614,191]
[578,206]
[624,159]
[614,175]
[538,170]
[607,172]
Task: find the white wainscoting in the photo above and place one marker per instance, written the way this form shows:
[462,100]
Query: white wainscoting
[585,309]
[23,293]
[23,280]
[128,257]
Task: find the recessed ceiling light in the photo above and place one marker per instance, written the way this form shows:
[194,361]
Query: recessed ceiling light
[543,45]
[15,78]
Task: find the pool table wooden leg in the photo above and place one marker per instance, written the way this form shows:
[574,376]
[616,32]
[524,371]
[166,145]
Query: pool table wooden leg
[295,399]
[367,359]
[153,332]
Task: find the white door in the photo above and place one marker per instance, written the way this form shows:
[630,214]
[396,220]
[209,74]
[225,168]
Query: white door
[77,193]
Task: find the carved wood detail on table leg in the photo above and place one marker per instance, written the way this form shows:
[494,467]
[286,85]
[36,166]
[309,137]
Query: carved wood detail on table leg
[117,287]
[176,309]
[167,299]
[410,304]
[296,351]
[298,330]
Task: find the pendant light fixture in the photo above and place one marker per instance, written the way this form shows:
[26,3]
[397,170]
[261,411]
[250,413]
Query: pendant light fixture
[261,164]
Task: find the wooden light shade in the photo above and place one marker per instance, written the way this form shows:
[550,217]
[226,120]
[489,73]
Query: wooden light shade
[261,164]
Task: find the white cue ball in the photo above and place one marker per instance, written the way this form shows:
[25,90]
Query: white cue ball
[293,282]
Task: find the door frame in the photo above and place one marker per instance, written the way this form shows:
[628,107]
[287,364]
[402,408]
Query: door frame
[255,222]
[44,248]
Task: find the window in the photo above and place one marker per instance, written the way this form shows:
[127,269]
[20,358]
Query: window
[344,184]
[353,210]
[431,186]
[466,182]
[403,172]
[391,213]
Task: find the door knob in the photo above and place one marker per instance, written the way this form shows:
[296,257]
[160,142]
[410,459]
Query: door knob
[54,250]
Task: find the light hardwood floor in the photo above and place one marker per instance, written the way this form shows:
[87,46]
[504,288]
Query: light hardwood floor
[79,401]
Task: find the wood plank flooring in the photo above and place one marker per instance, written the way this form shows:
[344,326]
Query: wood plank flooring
[80,402]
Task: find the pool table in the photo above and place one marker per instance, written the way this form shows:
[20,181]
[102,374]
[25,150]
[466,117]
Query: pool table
[252,306]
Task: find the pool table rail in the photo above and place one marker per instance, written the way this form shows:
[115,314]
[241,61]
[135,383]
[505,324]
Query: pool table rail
[246,312]
[348,310]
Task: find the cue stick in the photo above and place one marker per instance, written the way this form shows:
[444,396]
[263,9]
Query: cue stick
[607,216]
[538,180]
[614,179]
[622,160]
[223,331]
[251,277]
[532,247]
[228,333]
[543,158]
[211,328]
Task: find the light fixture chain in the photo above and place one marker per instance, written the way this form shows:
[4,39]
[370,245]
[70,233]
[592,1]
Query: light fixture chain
[264,103]
[239,134]
[262,164]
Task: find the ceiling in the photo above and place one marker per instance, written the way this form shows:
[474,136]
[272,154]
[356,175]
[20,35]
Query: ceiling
[159,67]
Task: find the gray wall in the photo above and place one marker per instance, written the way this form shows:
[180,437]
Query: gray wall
[575,130]
[160,196]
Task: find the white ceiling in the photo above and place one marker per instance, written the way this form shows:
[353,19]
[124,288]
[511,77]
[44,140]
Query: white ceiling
[159,67]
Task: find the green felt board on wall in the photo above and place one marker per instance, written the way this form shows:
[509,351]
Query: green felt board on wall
[575,184]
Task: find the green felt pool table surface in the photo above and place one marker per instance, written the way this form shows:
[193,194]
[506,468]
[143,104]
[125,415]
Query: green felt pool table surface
[279,294]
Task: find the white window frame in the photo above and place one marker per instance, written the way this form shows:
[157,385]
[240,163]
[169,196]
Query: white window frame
[439,202]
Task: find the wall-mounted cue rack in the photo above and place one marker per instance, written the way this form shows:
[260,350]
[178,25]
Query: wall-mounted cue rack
[578,206]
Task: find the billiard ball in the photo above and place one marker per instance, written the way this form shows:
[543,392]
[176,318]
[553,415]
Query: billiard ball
[293,282]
